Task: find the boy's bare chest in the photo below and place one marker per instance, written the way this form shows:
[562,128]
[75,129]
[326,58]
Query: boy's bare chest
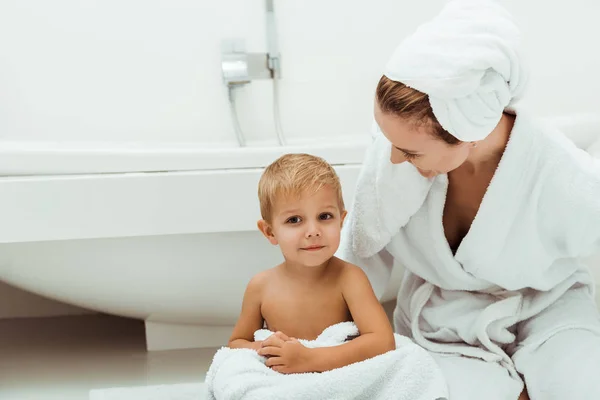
[302,311]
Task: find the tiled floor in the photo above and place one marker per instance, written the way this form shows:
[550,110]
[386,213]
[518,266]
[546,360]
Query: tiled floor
[63,358]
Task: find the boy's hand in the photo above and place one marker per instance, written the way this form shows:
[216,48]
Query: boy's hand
[286,356]
[256,345]
[277,337]
[275,340]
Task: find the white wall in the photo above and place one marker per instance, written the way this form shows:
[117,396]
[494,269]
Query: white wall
[149,70]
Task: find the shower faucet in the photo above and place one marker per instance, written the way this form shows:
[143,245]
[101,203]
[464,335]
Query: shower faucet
[239,68]
[272,45]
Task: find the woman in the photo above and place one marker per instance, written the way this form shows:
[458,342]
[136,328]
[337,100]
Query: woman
[488,210]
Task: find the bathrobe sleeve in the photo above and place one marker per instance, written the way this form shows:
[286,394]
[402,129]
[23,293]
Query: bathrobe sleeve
[584,194]
[386,196]
[571,203]
[378,267]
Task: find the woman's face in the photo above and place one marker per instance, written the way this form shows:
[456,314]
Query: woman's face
[412,143]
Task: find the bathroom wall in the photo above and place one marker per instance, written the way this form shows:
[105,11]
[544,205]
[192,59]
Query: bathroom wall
[149,71]
[133,70]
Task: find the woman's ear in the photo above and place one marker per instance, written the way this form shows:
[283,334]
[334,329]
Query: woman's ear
[267,230]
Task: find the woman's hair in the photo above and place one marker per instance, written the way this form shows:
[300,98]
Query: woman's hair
[402,101]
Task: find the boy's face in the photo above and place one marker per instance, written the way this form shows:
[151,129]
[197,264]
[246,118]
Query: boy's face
[306,228]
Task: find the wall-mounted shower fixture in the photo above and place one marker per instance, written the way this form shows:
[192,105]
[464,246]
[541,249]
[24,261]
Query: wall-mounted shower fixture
[240,68]
[272,44]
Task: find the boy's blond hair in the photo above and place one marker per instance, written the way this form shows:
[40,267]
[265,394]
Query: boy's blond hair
[292,175]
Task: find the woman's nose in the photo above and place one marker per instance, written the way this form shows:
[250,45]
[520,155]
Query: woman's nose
[397,157]
[426,174]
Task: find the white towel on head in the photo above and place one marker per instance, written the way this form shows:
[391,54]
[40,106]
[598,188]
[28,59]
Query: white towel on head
[467,60]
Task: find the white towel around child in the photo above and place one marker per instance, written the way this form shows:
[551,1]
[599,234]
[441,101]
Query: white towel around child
[406,373]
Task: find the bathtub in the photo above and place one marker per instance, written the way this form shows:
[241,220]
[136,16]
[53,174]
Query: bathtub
[166,233]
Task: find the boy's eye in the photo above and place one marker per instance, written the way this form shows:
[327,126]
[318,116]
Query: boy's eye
[325,216]
[293,220]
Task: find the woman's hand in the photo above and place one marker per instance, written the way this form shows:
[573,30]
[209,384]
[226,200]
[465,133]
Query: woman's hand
[286,355]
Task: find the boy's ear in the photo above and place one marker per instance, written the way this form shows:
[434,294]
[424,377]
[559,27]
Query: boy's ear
[266,230]
[343,217]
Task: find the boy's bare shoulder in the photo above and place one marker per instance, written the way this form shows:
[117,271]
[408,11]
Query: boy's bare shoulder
[348,271]
[260,280]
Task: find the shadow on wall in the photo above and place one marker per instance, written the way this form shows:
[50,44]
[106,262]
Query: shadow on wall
[17,303]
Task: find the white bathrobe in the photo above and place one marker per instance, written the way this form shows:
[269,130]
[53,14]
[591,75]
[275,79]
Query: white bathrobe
[516,279]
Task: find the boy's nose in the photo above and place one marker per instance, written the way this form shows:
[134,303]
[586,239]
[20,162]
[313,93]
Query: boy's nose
[313,230]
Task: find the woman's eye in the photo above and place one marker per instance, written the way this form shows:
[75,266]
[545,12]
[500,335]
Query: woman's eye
[410,156]
[293,220]
[325,216]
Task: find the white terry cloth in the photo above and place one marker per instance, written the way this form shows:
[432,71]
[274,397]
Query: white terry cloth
[467,60]
[539,215]
[382,187]
[407,373]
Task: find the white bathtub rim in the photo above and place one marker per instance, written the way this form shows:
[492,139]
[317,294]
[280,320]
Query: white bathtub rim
[47,158]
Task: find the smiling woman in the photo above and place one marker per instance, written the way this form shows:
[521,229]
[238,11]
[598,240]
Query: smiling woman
[491,226]
[400,111]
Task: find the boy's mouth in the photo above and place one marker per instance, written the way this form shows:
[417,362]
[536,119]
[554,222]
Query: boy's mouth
[314,247]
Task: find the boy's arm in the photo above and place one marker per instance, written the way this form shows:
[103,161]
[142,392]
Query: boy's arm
[250,318]
[376,333]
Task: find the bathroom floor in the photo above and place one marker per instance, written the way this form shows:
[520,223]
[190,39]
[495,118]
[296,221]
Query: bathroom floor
[64,357]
